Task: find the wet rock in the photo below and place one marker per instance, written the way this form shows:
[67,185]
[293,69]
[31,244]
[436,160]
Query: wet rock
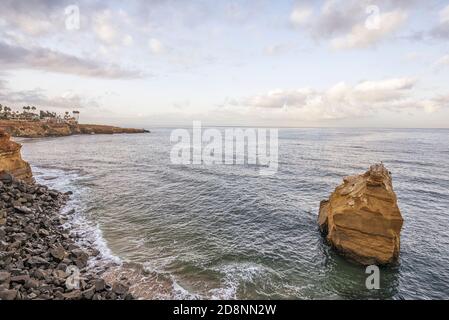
[40,274]
[58,253]
[5,277]
[59,295]
[44,232]
[23,209]
[32,296]
[3,216]
[60,274]
[80,257]
[73,295]
[6,177]
[29,230]
[53,194]
[37,261]
[31,284]
[129,296]
[100,285]
[22,279]
[89,293]
[120,288]
[8,294]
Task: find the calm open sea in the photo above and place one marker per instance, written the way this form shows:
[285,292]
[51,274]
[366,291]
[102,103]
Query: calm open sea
[226,232]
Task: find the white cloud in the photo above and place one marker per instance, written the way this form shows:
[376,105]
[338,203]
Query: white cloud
[40,99]
[277,49]
[300,15]
[363,37]
[352,23]
[128,40]
[34,18]
[441,30]
[341,100]
[443,61]
[104,28]
[39,58]
[413,56]
[444,15]
[32,26]
[156,47]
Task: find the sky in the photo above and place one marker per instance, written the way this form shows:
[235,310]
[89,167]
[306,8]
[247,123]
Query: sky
[332,63]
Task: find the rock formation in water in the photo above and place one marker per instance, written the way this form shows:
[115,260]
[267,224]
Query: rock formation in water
[362,220]
[11,160]
[37,129]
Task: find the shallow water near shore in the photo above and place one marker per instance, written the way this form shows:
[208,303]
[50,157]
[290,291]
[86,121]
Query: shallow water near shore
[226,232]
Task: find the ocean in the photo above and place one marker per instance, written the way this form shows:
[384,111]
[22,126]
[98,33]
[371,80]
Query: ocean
[226,232]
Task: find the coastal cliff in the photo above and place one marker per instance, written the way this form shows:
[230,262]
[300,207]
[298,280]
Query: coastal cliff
[11,160]
[362,220]
[37,129]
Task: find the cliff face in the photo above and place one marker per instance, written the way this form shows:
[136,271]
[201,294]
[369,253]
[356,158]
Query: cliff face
[36,129]
[11,160]
[100,129]
[362,220]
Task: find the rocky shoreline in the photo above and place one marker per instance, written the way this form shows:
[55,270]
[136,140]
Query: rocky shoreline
[39,256]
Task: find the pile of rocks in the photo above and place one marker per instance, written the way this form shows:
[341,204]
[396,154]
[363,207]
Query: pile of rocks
[39,258]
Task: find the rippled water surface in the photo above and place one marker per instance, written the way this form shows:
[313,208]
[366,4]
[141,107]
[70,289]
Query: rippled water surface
[226,232]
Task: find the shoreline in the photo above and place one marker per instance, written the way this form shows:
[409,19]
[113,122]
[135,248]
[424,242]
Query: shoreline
[118,280]
[38,129]
[40,256]
[145,283]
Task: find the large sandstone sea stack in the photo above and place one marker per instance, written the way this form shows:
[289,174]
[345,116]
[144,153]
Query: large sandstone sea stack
[10,159]
[362,220]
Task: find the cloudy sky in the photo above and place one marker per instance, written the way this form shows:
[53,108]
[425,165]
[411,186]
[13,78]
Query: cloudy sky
[377,63]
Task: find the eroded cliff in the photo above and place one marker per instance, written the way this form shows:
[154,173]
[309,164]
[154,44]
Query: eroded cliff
[11,160]
[362,220]
[37,129]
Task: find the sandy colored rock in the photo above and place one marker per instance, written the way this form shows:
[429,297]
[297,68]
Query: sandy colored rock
[37,129]
[362,220]
[10,159]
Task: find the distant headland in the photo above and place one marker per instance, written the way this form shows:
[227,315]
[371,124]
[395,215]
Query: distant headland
[34,123]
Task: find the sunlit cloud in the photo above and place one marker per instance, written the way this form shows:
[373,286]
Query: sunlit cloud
[342,100]
[362,37]
[156,46]
[300,15]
